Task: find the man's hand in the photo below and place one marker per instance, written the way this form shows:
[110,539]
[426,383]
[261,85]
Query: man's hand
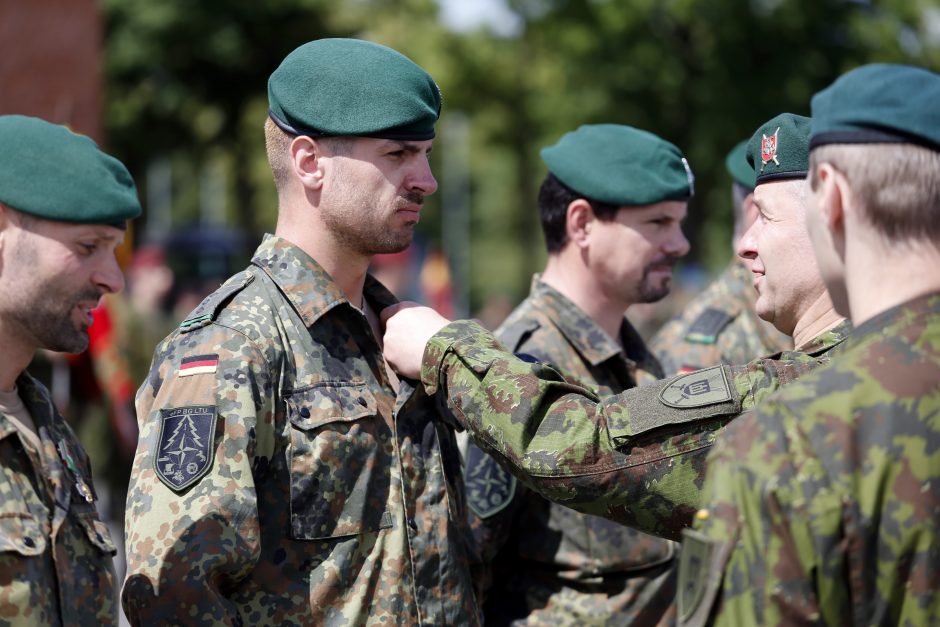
[408,327]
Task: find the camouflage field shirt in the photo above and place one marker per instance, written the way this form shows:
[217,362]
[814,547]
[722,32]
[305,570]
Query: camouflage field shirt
[56,556]
[637,457]
[824,505]
[279,480]
[551,564]
[719,326]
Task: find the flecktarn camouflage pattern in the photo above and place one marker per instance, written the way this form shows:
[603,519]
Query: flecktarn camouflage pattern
[55,554]
[549,564]
[629,457]
[719,326]
[279,480]
[824,504]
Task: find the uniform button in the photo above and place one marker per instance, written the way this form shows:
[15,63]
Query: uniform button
[412,524]
[29,542]
[362,401]
[304,412]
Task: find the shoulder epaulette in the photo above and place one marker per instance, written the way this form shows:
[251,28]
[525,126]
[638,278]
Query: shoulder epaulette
[514,335]
[708,325]
[209,308]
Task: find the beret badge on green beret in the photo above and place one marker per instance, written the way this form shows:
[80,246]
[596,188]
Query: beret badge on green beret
[779,149]
[768,149]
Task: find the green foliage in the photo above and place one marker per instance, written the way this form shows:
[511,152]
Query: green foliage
[189,80]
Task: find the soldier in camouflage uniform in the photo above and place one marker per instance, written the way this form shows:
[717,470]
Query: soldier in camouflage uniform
[559,567]
[56,262]
[720,325]
[640,457]
[823,505]
[283,475]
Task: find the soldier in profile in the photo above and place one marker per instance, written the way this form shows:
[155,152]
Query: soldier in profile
[720,325]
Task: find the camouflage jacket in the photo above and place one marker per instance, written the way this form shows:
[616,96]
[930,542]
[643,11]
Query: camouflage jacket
[638,458]
[55,554]
[556,566]
[279,480]
[719,326]
[824,505]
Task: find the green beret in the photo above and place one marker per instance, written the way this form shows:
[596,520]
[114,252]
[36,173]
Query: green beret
[877,104]
[780,149]
[337,87]
[620,165]
[738,167]
[48,171]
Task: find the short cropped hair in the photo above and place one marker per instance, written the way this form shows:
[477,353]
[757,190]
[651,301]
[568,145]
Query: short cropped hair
[898,185]
[554,198]
[277,145]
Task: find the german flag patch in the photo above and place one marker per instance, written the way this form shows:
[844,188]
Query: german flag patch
[198,364]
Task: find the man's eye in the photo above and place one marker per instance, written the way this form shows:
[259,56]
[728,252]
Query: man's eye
[87,248]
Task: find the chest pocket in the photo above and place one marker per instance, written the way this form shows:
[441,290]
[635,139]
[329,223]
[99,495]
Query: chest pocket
[340,456]
[22,534]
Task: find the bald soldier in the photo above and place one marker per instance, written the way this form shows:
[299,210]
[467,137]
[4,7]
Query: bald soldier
[283,475]
[720,325]
[823,505]
[611,209]
[637,457]
[57,243]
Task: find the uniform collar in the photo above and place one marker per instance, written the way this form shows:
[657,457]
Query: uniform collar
[582,332]
[304,282]
[827,340]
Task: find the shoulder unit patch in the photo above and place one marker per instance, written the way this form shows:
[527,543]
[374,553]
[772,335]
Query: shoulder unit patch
[209,308]
[697,389]
[707,326]
[489,488]
[186,446]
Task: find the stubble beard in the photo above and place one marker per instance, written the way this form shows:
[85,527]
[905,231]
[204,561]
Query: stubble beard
[647,291]
[357,230]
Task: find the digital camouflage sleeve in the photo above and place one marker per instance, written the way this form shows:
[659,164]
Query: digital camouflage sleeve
[639,458]
[824,504]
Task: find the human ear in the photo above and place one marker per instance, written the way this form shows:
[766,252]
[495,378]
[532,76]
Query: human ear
[579,221]
[307,162]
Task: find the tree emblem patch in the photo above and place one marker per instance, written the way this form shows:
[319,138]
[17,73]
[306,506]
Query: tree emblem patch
[489,488]
[186,446]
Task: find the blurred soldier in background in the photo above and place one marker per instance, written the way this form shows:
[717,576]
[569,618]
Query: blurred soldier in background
[720,325]
[611,208]
[823,505]
[57,243]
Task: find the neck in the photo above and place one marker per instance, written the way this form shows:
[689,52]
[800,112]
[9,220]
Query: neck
[16,356]
[882,275]
[816,320]
[346,268]
[579,287]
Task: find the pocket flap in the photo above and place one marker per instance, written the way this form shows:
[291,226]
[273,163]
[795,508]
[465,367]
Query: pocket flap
[21,533]
[334,402]
[98,534]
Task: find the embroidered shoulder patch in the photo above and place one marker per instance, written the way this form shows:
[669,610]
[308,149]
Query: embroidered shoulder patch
[489,488]
[707,326]
[697,389]
[186,446]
